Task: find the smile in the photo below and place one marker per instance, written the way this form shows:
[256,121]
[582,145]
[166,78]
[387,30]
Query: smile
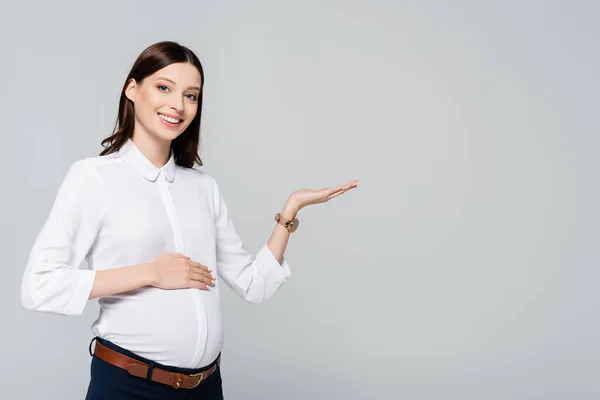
[170,119]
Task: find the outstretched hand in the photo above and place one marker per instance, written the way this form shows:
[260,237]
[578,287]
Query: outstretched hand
[304,197]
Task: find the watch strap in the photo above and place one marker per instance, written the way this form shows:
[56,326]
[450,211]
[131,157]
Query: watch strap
[290,225]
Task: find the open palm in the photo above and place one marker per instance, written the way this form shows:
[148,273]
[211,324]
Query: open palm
[305,197]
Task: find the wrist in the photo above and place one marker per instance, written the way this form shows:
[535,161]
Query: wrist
[289,210]
[148,273]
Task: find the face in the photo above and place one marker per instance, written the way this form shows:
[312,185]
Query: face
[165,102]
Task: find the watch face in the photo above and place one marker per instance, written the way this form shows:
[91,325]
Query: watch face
[290,225]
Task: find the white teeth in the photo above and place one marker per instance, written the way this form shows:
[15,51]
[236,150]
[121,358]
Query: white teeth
[169,119]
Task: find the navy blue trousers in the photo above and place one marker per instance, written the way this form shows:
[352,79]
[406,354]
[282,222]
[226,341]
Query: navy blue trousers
[109,382]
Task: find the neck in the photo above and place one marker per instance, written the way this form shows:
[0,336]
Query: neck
[157,151]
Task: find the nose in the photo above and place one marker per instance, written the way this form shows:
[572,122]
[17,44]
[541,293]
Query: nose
[176,103]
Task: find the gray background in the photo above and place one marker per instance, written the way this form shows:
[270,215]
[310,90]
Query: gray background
[463,267]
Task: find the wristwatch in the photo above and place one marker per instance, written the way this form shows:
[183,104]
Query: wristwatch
[290,225]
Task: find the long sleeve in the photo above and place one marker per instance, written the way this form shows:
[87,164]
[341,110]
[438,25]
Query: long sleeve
[52,281]
[255,279]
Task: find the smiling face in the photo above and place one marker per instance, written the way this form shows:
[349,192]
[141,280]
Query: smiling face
[165,102]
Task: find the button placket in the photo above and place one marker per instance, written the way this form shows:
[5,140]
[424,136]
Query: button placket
[163,184]
[171,213]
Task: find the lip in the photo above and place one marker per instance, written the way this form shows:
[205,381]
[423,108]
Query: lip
[171,116]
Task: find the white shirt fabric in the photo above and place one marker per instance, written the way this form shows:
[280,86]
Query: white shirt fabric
[119,210]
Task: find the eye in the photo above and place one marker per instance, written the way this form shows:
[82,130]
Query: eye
[192,96]
[162,88]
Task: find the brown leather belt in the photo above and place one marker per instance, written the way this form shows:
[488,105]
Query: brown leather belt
[140,369]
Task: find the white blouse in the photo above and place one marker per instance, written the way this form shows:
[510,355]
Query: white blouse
[119,210]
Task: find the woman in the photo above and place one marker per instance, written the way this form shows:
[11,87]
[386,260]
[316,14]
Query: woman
[159,242]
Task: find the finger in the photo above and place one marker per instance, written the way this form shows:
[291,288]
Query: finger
[203,279]
[335,190]
[200,266]
[351,185]
[333,196]
[336,194]
[347,187]
[198,285]
[343,187]
[204,273]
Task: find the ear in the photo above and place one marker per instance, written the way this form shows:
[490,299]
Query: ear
[131,89]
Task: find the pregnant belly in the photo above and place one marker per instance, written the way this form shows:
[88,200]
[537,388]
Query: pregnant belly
[166,326]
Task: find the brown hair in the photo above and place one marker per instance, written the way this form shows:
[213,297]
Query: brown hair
[152,59]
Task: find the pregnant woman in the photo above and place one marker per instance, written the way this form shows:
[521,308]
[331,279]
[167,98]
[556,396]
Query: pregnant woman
[158,239]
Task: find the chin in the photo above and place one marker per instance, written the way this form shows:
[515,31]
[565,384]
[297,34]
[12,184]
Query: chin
[168,134]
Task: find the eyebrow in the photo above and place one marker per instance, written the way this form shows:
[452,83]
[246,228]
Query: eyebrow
[169,80]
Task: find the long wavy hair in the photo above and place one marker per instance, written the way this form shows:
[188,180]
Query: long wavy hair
[156,57]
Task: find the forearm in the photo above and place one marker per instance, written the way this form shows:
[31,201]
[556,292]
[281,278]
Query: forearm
[279,239]
[120,280]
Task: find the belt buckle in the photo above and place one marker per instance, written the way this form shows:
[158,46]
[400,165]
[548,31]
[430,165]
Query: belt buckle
[179,380]
[200,375]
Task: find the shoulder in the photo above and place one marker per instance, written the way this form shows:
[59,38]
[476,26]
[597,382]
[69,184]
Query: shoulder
[95,162]
[87,172]
[82,168]
[92,166]
[81,185]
